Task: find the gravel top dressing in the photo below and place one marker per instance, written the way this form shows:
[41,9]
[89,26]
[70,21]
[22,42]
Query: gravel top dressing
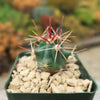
[27,78]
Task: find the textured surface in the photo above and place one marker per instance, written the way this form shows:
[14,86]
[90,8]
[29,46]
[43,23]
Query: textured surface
[3,95]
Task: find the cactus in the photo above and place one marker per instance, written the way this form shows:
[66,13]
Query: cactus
[51,55]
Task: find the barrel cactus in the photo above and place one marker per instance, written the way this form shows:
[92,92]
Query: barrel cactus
[51,55]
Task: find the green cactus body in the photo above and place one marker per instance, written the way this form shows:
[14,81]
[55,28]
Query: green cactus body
[51,54]
[46,58]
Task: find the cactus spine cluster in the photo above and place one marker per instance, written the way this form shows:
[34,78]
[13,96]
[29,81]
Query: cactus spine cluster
[51,55]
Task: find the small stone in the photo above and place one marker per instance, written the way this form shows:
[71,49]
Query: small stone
[28,90]
[72,82]
[20,68]
[90,86]
[35,81]
[72,66]
[55,82]
[27,84]
[70,89]
[78,89]
[43,91]
[62,88]
[30,76]
[38,75]
[14,91]
[45,75]
[57,77]
[49,90]
[14,87]
[86,83]
[72,59]
[54,89]
[35,90]
[22,89]
[22,60]
[68,74]
[24,72]
[16,81]
[77,74]
[44,82]
[44,86]
[32,64]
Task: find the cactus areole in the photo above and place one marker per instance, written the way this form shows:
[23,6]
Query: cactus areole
[51,55]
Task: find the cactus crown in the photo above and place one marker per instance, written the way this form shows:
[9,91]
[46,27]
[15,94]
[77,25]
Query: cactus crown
[51,55]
